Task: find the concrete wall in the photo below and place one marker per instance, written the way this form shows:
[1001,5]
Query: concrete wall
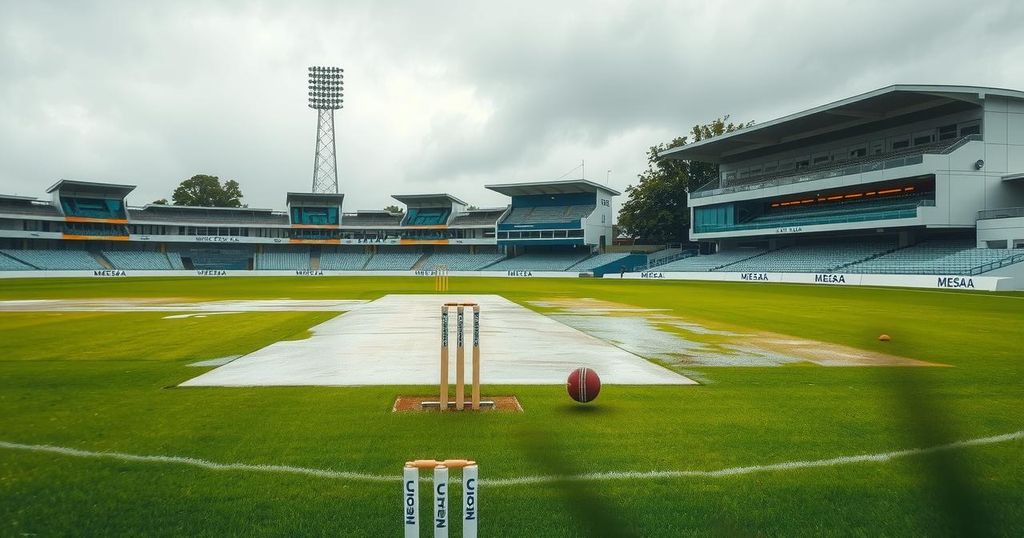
[600,222]
[1010,230]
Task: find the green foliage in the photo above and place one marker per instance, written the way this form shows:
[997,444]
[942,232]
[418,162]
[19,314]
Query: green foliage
[656,210]
[394,210]
[162,201]
[207,191]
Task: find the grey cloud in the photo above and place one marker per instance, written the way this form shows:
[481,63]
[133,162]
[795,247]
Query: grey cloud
[443,96]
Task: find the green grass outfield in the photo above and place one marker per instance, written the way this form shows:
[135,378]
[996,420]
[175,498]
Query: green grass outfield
[99,382]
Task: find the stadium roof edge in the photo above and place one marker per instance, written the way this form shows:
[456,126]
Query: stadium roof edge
[839,114]
[116,188]
[16,198]
[204,208]
[441,198]
[565,186]
[324,197]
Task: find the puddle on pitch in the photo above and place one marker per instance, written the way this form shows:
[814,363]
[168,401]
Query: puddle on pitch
[648,333]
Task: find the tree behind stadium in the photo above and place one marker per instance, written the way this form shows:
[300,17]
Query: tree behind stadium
[206,191]
[656,210]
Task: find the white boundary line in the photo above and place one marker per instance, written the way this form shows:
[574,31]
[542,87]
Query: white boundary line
[524,480]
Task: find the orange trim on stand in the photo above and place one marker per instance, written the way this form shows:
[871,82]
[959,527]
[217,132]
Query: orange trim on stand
[96,237]
[315,241]
[101,221]
[423,242]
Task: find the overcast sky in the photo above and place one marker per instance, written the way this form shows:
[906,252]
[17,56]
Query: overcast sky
[443,96]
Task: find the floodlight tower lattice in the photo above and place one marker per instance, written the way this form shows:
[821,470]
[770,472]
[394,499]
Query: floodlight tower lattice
[325,96]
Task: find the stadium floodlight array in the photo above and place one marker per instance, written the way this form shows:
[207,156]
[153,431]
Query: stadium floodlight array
[325,87]
[325,96]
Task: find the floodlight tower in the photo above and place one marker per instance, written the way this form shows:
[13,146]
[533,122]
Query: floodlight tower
[325,85]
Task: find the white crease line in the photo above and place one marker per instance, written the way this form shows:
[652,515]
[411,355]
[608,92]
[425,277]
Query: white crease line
[206,464]
[735,471]
[539,479]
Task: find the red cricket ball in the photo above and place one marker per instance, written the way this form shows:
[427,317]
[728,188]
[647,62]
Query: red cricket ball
[583,384]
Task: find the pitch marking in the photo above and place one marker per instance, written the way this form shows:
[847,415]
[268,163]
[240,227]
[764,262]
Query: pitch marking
[524,480]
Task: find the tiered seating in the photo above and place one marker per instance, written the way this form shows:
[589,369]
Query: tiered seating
[579,211]
[10,264]
[175,260]
[55,260]
[594,262]
[282,261]
[393,261]
[540,261]
[548,214]
[816,258]
[137,260]
[478,218]
[218,259]
[710,262]
[462,261]
[343,261]
[933,258]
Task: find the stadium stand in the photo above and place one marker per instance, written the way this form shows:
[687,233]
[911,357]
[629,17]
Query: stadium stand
[892,207]
[216,259]
[426,216]
[16,205]
[138,260]
[462,261]
[540,261]
[93,208]
[933,257]
[599,260]
[207,215]
[282,261]
[343,261]
[478,218]
[175,259]
[386,260]
[710,262]
[869,163]
[55,260]
[814,258]
[548,214]
[10,264]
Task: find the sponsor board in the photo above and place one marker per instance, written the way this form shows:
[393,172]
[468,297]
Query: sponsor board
[839,279]
[217,239]
[958,282]
[949,282]
[109,272]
